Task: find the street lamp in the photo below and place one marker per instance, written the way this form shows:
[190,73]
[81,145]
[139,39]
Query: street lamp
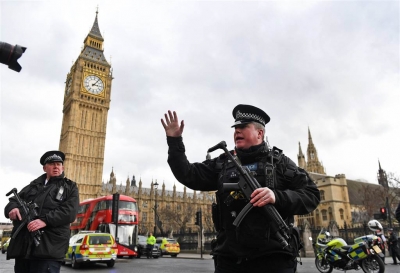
[155,208]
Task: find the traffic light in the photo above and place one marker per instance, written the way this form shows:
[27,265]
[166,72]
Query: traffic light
[115,208]
[383,212]
[198,218]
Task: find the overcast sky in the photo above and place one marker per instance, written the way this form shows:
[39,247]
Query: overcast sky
[331,66]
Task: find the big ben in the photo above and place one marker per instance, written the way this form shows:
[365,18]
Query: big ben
[85,110]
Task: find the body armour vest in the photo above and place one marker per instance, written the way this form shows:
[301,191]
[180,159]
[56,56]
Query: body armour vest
[252,238]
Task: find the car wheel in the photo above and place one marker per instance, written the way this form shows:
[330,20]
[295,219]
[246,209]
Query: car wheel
[74,263]
[110,263]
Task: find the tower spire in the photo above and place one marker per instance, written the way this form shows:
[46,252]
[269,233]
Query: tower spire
[300,151]
[301,158]
[313,163]
[382,177]
[309,137]
[95,31]
[93,45]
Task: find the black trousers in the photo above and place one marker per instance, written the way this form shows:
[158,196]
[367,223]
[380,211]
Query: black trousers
[270,264]
[149,251]
[395,252]
[36,266]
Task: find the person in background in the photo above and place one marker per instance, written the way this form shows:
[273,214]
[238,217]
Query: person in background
[251,247]
[393,246]
[57,200]
[151,240]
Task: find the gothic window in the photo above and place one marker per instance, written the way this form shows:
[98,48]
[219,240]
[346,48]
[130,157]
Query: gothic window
[312,155]
[324,215]
[145,204]
[322,194]
[330,213]
[341,213]
[144,216]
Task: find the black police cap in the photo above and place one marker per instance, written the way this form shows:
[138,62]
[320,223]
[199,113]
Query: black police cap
[52,156]
[244,114]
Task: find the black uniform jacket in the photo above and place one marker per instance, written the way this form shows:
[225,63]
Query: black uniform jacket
[56,212]
[295,194]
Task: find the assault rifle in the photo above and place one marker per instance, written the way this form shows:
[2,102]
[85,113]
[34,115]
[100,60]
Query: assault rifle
[247,184]
[30,211]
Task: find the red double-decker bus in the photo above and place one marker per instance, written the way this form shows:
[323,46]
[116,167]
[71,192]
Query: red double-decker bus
[96,214]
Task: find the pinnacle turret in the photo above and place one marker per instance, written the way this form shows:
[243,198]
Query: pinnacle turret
[95,31]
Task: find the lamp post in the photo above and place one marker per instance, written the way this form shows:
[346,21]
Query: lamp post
[155,208]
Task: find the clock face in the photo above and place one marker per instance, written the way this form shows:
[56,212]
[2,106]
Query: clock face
[93,84]
[68,88]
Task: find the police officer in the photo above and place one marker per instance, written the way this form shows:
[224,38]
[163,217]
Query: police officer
[394,246]
[151,240]
[40,245]
[251,247]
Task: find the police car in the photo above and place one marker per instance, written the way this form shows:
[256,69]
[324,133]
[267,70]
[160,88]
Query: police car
[169,246]
[91,247]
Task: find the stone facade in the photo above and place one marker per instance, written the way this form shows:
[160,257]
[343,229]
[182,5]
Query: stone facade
[342,200]
[176,210]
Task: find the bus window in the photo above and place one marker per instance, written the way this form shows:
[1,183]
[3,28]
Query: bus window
[127,205]
[83,208]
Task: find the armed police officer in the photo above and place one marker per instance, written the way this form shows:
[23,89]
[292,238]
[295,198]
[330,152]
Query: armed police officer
[251,246]
[40,245]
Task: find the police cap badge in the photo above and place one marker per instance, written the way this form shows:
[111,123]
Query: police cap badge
[52,156]
[244,114]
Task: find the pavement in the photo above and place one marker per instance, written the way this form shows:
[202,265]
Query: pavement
[207,255]
[183,255]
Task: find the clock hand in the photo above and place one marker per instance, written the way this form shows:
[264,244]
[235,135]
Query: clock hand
[96,82]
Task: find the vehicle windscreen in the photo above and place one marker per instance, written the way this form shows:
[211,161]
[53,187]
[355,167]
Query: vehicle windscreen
[100,240]
[126,234]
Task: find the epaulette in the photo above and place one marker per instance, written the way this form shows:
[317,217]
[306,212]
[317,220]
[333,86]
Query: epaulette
[67,180]
[276,154]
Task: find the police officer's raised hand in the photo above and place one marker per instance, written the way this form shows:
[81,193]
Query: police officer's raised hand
[171,124]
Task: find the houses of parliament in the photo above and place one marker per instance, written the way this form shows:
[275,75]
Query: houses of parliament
[86,103]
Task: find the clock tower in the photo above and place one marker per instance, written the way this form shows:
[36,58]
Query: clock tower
[85,110]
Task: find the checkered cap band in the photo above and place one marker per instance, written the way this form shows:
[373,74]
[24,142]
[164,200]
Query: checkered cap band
[240,115]
[53,158]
